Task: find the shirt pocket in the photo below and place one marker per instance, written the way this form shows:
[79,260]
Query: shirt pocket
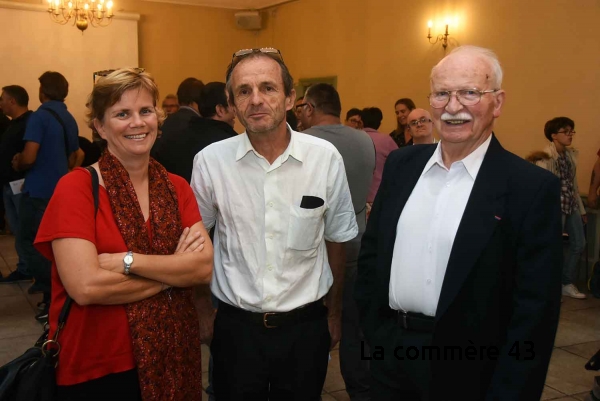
[306,228]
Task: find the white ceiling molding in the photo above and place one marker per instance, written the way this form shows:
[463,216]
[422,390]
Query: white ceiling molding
[229,4]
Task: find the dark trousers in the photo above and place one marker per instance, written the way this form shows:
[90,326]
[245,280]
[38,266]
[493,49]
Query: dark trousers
[31,211]
[404,372]
[12,203]
[354,368]
[116,386]
[255,363]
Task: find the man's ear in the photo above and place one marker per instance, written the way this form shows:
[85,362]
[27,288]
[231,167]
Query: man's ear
[500,98]
[220,110]
[290,100]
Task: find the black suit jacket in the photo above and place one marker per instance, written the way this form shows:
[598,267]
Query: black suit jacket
[177,154]
[173,125]
[502,283]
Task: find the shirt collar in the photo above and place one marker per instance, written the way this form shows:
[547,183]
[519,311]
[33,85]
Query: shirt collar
[472,162]
[189,108]
[294,148]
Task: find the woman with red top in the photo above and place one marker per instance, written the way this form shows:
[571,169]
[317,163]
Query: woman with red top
[132,333]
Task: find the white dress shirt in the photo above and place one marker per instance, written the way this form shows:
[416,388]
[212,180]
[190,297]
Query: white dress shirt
[270,253]
[427,228]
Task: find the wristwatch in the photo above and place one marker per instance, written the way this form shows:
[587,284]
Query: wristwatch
[127,262]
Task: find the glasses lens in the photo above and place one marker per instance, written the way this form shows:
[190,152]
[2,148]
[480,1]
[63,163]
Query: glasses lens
[468,97]
[438,99]
[242,53]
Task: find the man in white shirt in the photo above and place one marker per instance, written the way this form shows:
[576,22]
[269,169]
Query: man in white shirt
[282,210]
[460,266]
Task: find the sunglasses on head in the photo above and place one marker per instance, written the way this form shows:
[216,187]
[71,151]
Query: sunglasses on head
[241,54]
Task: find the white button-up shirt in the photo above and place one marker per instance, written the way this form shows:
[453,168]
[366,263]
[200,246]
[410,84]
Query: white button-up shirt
[427,228]
[269,252]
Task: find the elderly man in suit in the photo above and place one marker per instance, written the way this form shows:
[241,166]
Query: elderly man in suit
[460,265]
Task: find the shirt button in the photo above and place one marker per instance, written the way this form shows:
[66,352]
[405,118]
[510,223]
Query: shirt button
[270,204]
[270,236]
[267,299]
[448,184]
[270,268]
[428,281]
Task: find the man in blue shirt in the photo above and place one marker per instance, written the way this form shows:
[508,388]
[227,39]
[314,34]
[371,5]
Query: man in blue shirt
[51,150]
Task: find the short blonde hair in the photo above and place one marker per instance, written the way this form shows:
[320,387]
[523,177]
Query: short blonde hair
[109,90]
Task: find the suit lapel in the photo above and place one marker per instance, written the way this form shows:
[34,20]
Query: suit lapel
[484,210]
[404,182]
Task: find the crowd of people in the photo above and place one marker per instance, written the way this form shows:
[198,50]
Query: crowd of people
[437,267]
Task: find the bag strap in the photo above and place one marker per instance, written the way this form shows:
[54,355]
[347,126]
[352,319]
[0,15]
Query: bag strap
[64,127]
[95,187]
[64,312]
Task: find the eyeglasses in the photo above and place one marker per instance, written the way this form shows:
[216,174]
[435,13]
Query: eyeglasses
[567,133]
[421,120]
[241,54]
[237,56]
[466,97]
[299,106]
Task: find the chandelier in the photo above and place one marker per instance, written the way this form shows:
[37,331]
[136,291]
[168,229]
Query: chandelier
[83,12]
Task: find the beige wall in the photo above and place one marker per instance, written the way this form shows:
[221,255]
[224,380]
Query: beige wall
[378,50]
[51,46]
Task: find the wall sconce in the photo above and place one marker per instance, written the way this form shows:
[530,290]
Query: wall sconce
[441,37]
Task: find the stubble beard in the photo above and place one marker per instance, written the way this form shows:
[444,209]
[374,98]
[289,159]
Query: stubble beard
[261,130]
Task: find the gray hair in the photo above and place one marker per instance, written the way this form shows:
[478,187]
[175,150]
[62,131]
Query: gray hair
[488,55]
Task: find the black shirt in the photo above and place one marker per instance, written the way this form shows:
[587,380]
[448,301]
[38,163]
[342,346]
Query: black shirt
[4,122]
[399,139]
[91,150]
[11,144]
[177,153]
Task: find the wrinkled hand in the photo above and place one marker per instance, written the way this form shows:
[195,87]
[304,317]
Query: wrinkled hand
[190,242]
[207,325]
[335,329]
[112,261]
[592,200]
[15,161]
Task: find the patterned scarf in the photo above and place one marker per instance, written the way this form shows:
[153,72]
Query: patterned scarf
[164,328]
[567,193]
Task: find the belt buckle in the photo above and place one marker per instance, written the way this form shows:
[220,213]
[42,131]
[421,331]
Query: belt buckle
[265,316]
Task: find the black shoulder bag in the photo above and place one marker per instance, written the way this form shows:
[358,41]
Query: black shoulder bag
[32,376]
[64,127]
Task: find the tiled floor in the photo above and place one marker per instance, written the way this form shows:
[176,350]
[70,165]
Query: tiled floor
[577,340]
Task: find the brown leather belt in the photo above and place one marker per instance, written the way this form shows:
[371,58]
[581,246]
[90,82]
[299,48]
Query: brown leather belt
[270,320]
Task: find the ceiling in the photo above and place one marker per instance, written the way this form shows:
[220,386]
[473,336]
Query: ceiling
[230,4]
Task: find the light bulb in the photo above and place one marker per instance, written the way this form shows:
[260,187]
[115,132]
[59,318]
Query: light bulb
[429,24]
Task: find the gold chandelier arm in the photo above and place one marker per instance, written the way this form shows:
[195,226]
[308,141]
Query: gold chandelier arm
[83,12]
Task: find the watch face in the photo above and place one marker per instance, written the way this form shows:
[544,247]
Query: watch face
[128,259]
